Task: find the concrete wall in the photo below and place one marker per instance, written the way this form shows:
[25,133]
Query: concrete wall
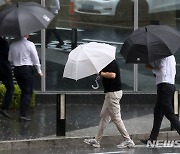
[95,98]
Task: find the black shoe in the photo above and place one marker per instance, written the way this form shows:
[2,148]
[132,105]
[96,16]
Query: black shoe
[4,113]
[24,119]
[146,141]
[59,45]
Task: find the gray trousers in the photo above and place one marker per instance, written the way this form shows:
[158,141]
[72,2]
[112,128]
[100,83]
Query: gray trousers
[111,112]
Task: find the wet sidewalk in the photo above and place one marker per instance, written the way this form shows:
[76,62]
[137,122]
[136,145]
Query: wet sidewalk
[39,135]
[81,121]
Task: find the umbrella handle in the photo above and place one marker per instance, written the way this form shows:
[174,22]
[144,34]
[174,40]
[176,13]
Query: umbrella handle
[97,84]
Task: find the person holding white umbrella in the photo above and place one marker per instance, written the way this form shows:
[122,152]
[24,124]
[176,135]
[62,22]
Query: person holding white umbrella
[111,81]
[99,58]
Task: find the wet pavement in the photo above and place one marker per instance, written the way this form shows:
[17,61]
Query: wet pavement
[81,120]
[42,124]
[138,149]
[98,151]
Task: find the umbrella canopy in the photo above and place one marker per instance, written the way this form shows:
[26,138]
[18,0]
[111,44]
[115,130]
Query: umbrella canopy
[2,2]
[88,59]
[23,18]
[150,43]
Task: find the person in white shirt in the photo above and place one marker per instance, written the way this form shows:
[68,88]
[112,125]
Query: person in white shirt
[165,72]
[23,55]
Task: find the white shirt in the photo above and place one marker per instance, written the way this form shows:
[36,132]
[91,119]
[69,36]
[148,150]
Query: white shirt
[165,70]
[23,52]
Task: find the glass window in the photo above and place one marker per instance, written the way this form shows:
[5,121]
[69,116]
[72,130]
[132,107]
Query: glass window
[101,21]
[112,21]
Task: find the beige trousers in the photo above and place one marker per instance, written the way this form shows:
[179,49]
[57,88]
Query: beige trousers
[111,112]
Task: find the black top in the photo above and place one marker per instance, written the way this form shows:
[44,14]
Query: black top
[5,67]
[111,85]
[4,49]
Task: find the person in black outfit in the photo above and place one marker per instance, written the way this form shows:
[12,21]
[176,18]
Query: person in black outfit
[6,76]
[110,111]
[54,7]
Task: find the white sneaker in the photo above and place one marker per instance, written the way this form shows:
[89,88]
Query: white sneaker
[92,142]
[126,144]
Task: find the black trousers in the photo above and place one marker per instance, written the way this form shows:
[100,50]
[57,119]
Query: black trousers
[24,77]
[7,80]
[56,34]
[164,106]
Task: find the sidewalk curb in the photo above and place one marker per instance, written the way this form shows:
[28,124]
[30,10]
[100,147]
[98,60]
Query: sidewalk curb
[70,142]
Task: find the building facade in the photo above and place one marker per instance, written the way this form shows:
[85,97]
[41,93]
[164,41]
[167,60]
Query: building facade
[78,21]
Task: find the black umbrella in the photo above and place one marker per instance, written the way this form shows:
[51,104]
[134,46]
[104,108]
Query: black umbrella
[150,43]
[2,2]
[23,18]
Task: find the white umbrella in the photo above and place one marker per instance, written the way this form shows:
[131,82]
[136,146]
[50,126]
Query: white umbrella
[88,59]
